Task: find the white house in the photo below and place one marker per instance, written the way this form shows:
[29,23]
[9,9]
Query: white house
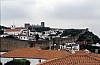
[23,37]
[4,35]
[97,44]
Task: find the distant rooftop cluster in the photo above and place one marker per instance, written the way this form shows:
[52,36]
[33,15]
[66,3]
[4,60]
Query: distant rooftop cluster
[51,46]
[58,38]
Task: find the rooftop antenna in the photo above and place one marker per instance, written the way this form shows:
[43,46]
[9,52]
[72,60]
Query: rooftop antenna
[13,26]
[13,22]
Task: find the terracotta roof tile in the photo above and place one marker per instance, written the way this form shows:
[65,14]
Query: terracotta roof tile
[12,30]
[74,59]
[35,53]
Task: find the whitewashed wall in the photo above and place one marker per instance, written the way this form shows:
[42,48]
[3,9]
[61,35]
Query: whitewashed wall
[33,61]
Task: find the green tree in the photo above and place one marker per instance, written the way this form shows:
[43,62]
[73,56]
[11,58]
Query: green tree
[18,62]
[37,37]
[0,63]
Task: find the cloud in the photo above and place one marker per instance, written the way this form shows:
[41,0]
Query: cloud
[16,9]
[54,9]
[77,10]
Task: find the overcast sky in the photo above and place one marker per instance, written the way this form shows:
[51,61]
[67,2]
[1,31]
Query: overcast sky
[56,13]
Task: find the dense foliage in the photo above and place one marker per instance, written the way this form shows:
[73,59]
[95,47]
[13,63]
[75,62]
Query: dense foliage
[39,29]
[1,32]
[18,62]
[89,37]
[3,27]
[71,32]
[0,63]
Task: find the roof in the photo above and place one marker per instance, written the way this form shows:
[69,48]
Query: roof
[34,53]
[5,34]
[12,30]
[22,35]
[81,42]
[75,59]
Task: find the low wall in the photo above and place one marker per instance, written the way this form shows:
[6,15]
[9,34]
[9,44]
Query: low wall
[7,44]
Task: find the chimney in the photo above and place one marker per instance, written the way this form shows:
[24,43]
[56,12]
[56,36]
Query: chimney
[87,51]
[72,51]
[58,49]
[96,51]
[39,49]
[39,60]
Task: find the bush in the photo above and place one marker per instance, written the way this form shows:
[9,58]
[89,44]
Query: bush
[18,62]
[0,63]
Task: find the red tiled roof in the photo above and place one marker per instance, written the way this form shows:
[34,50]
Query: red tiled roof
[12,30]
[35,53]
[75,59]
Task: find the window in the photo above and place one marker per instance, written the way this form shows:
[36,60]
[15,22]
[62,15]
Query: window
[24,32]
[21,37]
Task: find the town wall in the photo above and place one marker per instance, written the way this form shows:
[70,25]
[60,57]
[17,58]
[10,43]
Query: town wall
[7,44]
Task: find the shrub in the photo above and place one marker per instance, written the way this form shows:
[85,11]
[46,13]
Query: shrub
[0,63]
[18,62]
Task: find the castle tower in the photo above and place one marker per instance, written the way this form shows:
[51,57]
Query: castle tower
[43,24]
[27,25]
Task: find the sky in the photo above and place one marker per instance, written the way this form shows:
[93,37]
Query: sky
[55,13]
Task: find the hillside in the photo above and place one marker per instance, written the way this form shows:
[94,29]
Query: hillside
[83,34]
[89,37]
[71,32]
[3,27]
